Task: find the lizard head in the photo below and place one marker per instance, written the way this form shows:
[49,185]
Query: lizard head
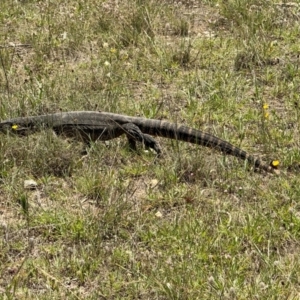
[17,128]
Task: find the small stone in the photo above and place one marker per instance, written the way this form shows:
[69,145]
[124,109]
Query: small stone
[158,214]
[30,184]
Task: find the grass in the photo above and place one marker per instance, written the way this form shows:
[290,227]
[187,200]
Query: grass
[194,224]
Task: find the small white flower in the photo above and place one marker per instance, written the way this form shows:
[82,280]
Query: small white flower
[276,263]
[64,35]
[211,279]
[107,63]
[262,285]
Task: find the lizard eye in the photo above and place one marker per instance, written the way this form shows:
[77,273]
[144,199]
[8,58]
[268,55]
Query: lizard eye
[14,127]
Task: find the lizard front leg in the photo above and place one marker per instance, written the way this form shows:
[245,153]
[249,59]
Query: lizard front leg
[134,134]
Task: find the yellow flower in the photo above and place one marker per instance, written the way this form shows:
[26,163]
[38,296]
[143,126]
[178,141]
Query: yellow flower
[14,127]
[267,115]
[113,50]
[174,65]
[275,163]
[265,106]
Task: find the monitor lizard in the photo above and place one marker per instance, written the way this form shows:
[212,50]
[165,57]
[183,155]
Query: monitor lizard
[88,126]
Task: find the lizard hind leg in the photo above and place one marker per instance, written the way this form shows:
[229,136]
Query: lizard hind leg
[134,134]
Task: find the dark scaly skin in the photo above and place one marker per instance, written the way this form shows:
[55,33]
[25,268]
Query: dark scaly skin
[91,126]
